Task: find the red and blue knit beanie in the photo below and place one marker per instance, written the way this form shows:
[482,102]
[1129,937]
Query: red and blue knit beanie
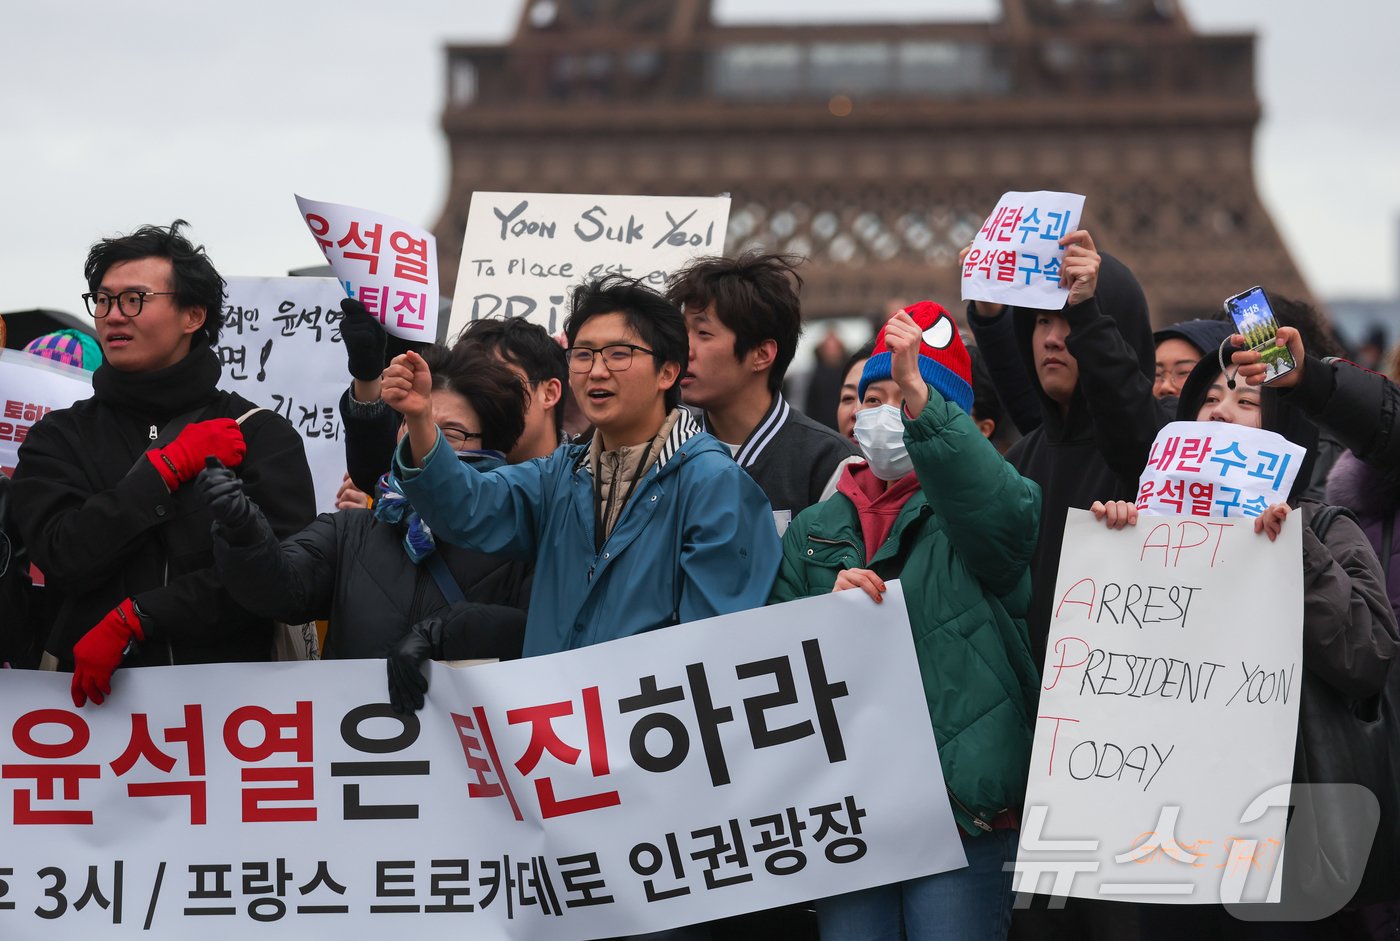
[943,360]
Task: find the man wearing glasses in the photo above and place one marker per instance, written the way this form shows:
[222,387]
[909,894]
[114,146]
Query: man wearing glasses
[650,524]
[102,490]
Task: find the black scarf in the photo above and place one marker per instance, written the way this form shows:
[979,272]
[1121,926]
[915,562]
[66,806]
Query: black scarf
[163,393]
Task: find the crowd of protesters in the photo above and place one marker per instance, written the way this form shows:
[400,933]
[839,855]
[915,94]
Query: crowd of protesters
[174,523]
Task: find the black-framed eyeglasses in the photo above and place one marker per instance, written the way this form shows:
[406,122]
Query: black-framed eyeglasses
[616,356]
[99,303]
[456,436]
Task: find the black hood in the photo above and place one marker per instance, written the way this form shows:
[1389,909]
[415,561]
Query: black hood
[1275,415]
[1205,335]
[1119,295]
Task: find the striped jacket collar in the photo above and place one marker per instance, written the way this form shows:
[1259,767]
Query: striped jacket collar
[763,434]
[685,428]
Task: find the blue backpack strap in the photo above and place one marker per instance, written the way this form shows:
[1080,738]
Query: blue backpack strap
[445,582]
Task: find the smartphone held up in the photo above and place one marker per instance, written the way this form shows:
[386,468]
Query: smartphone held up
[1254,320]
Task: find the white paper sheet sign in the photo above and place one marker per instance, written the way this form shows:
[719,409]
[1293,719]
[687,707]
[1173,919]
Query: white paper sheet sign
[524,252]
[682,775]
[31,387]
[1016,255]
[1217,469]
[1169,703]
[387,264]
[280,348]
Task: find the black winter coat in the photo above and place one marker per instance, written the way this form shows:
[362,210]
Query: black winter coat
[1098,450]
[352,569]
[101,526]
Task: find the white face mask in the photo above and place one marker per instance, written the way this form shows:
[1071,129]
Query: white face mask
[880,434]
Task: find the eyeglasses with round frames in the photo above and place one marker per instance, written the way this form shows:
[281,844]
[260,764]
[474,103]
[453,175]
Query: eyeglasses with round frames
[130,303]
[616,356]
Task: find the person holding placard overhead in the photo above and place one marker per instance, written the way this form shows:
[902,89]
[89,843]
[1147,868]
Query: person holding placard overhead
[1091,365]
[1350,640]
[937,507]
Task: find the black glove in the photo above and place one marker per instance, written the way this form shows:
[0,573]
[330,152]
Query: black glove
[233,512]
[366,343]
[407,682]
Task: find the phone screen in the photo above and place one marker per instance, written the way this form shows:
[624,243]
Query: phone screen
[1254,320]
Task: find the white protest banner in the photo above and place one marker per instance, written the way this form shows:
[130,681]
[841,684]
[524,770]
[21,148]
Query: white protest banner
[386,264]
[759,759]
[31,387]
[1213,468]
[281,349]
[1169,704]
[1015,258]
[523,252]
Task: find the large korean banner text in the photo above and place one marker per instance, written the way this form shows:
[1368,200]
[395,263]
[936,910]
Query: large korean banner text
[1168,711]
[1016,256]
[696,772]
[385,263]
[524,252]
[31,387]
[280,348]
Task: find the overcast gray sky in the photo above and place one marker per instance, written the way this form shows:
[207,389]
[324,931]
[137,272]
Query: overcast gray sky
[116,114]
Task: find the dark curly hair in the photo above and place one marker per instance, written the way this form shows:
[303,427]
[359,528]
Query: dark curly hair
[194,279]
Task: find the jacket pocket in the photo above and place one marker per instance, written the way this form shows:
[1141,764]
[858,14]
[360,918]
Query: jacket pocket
[833,554]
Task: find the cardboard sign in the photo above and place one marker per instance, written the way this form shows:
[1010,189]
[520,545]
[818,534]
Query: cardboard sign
[31,387]
[524,252]
[386,264]
[1217,469]
[1016,256]
[691,773]
[1168,713]
[281,349]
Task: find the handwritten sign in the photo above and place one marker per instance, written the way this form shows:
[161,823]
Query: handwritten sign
[281,349]
[682,775]
[1217,469]
[1169,705]
[523,252]
[1016,255]
[386,264]
[31,387]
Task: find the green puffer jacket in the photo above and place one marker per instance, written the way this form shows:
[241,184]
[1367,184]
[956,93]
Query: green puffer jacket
[962,547]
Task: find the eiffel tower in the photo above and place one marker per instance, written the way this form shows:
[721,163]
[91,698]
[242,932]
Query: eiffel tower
[876,150]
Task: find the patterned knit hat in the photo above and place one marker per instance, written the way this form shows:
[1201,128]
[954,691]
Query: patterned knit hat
[943,360]
[72,347]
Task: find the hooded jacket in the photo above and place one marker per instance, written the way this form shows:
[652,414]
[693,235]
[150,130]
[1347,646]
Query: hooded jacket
[1362,489]
[1350,637]
[1205,335]
[695,539]
[1098,449]
[961,545]
[1359,407]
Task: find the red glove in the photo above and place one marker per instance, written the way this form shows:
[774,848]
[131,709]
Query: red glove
[100,652]
[181,460]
